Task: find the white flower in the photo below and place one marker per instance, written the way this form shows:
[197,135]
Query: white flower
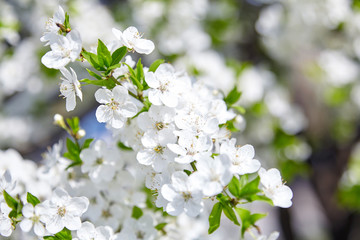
[100,162]
[197,123]
[89,232]
[6,183]
[52,27]
[164,86]
[156,119]
[62,211]
[70,88]
[131,38]
[141,229]
[63,50]
[212,175]
[274,188]
[272,236]
[242,158]
[116,106]
[6,227]
[124,69]
[190,146]
[32,218]
[156,152]
[183,195]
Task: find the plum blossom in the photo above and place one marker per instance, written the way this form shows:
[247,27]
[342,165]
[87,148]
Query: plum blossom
[64,49]
[213,174]
[190,146]
[6,182]
[131,38]
[182,195]
[155,151]
[52,26]
[100,162]
[62,211]
[164,86]
[89,232]
[32,218]
[6,227]
[274,188]
[242,158]
[70,88]
[141,229]
[116,106]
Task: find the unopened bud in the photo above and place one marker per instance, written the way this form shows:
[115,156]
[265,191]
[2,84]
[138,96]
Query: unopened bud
[59,120]
[80,134]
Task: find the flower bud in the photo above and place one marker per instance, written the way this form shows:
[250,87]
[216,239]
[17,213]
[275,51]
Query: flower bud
[80,134]
[59,120]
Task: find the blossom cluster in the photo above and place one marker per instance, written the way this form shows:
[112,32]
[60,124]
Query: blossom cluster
[174,135]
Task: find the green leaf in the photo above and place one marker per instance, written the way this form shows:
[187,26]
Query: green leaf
[155,65]
[74,124]
[136,212]
[239,109]
[250,189]
[67,22]
[95,75]
[93,60]
[87,143]
[230,126]
[188,172]
[72,147]
[73,164]
[118,54]
[104,55]
[227,208]
[32,199]
[261,198]
[64,234]
[147,105]
[232,97]
[214,217]
[160,226]
[122,146]
[104,83]
[140,72]
[248,220]
[10,201]
[234,187]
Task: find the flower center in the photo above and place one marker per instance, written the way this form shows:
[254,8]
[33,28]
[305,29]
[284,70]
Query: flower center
[159,125]
[114,105]
[99,161]
[159,149]
[106,214]
[61,211]
[186,196]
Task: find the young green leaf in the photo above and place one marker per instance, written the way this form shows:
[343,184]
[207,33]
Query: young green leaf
[227,208]
[32,199]
[155,65]
[247,219]
[140,72]
[95,75]
[250,189]
[74,124]
[214,217]
[117,55]
[136,212]
[93,60]
[87,143]
[105,83]
[160,226]
[122,146]
[104,55]
[234,187]
[10,201]
[72,147]
[64,234]
[232,97]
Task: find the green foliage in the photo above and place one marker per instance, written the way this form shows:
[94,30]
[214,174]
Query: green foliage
[32,199]
[67,22]
[247,219]
[15,205]
[87,143]
[155,65]
[74,124]
[73,153]
[108,83]
[227,207]
[349,197]
[64,234]
[122,146]
[103,54]
[233,96]
[136,212]
[214,217]
[160,226]
[117,55]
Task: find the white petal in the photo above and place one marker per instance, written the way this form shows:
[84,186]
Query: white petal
[103,96]
[144,46]
[26,225]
